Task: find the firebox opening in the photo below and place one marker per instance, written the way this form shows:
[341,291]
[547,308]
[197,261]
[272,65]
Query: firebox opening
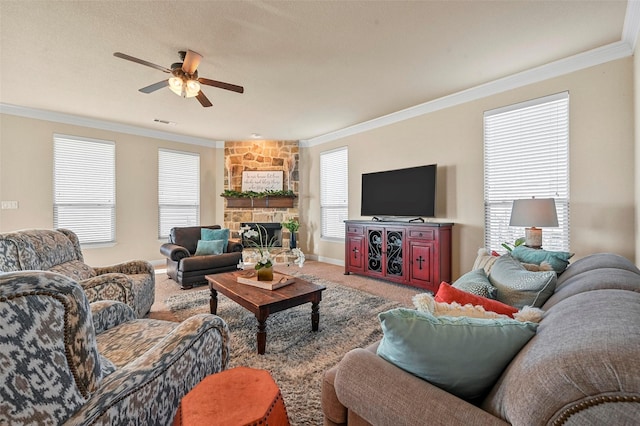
[274,232]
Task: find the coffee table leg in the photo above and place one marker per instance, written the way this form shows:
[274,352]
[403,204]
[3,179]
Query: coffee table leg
[315,315]
[262,335]
[213,303]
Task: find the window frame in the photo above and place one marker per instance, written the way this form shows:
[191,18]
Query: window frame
[533,148]
[175,162]
[330,199]
[74,168]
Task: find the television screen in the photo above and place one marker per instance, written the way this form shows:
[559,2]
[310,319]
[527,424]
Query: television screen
[404,192]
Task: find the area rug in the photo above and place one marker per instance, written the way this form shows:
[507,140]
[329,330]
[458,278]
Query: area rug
[295,356]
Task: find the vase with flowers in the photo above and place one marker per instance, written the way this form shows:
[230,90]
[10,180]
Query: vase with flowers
[265,252]
[292,225]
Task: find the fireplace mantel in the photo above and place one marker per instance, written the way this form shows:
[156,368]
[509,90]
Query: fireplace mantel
[259,202]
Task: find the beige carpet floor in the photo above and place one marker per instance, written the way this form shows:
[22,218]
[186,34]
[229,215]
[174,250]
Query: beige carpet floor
[166,287]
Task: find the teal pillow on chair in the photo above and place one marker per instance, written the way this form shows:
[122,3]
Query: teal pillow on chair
[559,260]
[464,356]
[209,247]
[216,234]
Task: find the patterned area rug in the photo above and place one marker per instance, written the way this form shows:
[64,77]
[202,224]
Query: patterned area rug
[295,356]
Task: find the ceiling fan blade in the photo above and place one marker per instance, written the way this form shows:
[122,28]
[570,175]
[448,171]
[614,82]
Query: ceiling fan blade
[203,99]
[222,85]
[140,61]
[191,62]
[155,86]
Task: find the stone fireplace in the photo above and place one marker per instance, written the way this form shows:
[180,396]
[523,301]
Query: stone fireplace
[281,156]
[273,231]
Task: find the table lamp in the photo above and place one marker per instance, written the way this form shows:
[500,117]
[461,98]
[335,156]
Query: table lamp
[534,213]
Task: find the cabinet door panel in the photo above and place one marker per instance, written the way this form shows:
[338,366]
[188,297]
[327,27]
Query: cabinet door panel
[394,252]
[355,254]
[421,267]
[374,250]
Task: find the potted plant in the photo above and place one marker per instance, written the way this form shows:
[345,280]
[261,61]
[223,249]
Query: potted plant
[292,225]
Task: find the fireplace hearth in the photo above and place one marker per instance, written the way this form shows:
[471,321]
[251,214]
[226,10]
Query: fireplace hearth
[274,233]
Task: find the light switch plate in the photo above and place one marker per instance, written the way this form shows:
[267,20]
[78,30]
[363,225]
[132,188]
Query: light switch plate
[9,205]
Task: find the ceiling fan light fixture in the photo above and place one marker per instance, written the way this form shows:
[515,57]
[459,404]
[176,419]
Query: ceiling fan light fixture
[192,88]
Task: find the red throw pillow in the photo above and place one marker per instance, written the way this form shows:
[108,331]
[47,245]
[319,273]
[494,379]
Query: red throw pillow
[449,294]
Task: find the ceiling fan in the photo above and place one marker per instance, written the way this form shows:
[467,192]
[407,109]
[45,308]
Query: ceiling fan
[184,81]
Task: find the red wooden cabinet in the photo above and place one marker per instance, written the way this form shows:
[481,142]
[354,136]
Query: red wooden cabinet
[415,254]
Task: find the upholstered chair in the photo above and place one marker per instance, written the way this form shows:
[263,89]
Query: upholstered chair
[66,361]
[185,264]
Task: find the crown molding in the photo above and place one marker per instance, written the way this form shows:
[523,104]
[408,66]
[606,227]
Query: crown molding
[93,123]
[631,26]
[611,52]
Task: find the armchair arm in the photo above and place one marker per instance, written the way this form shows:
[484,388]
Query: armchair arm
[109,313]
[384,394]
[108,287]
[174,251]
[149,389]
[234,246]
[129,268]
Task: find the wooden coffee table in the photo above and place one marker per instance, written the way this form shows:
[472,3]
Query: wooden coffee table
[263,302]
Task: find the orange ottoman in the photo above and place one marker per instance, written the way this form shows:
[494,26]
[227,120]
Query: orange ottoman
[239,396]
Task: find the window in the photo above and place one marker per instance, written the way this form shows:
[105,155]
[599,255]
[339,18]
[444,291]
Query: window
[84,188]
[178,190]
[334,193]
[526,154]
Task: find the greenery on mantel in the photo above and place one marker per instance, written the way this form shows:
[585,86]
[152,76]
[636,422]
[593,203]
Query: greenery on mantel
[252,194]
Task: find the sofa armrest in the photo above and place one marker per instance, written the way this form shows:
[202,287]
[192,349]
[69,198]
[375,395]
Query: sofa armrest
[108,287]
[384,394]
[109,313]
[128,268]
[149,389]
[234,246]
[174,251]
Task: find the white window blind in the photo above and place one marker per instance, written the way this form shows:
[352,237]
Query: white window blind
[526,154]
[178,190]
[334,195]
[84,186]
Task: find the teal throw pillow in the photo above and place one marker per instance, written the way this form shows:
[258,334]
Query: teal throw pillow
[216,234]
[476,282]
[462,355]
[517,286]
[559,260]
[209,247]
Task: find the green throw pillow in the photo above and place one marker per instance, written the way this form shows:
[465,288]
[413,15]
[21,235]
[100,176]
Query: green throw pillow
[517,286]
[464,356]
[216,234]
[559,260]
[476,282]
[209,247]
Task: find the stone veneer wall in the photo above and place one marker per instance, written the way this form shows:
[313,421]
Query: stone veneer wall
[261,155]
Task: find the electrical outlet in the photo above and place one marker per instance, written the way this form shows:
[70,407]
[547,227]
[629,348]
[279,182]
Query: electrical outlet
[9,205]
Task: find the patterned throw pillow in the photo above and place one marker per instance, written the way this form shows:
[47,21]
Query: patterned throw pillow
[449,294]
[437,349]
[519,287]
[476,282]
[485,260]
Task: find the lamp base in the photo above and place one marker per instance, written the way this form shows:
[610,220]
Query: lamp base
[533,237]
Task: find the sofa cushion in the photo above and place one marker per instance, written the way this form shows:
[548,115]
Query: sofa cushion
[519,287]
[437,349]
[557,259]
[210,247]
[449,294]
[476,282]
[216,234]
[75,270]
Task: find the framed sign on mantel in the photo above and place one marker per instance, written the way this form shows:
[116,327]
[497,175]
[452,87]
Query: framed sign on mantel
[262,180]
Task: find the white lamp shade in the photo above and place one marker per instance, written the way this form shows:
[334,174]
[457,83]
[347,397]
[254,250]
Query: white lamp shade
[540,212]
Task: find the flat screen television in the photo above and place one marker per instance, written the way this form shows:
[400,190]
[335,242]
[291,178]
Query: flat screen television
[409,192]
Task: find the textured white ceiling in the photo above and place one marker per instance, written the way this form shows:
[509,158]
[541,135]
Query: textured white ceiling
[308,67]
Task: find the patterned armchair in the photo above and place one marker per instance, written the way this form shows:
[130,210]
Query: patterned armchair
[59,251]
[65,361]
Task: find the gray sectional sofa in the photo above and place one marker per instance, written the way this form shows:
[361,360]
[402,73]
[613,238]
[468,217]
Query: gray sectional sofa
[581,368]
[132,283]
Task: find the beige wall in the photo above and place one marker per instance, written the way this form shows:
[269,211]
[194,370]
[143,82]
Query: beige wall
[601,170]
[26,170]
[636,119]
